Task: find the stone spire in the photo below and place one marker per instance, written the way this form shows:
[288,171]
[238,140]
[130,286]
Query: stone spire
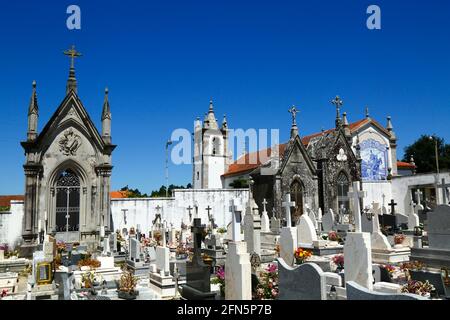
[294,129]
[106,119]
[337,102]
[346,127]
[390,128]
[72,81]
[224,122]
[33,114]
[210,119]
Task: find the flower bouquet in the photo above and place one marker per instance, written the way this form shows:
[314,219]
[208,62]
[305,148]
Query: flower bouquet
[338,260]
[220,280]
[398,239]
[418,287]
[268,286]
[301,255]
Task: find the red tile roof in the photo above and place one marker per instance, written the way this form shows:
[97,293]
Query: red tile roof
[118,194]
[405,165]
[251,161]
[5,201]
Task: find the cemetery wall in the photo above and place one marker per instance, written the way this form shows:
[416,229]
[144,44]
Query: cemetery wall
[142,211]
[375,191]
[11,224]
[402,185]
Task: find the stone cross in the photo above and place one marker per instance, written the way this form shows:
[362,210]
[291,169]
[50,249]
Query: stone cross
[337,102]
[236,218]
[288,204]
[208,208]
[392,204]
[189,209]
[375,221]
[418,195]
[125,216]
[197,230]
[294,112]
[356,194]
[444,187]
[264,203]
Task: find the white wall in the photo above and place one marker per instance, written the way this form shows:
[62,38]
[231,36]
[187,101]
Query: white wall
[375,191]
[402,185]
[11,224]
[142,211]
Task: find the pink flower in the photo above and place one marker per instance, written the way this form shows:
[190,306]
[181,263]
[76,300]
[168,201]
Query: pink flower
[220,273]
[272,268]
[274,293]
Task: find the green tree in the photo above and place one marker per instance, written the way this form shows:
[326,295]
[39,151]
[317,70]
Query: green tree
[239,184]
[423,151]
[162,191]
[133,193]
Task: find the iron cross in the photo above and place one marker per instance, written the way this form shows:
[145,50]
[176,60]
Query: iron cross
[392,204]
[72,53]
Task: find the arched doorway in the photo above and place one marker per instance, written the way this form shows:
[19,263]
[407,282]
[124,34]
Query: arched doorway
[343,185]
[297,197]
[67,202]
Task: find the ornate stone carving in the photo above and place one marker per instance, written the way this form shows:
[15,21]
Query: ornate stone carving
[69,143]
[342,157]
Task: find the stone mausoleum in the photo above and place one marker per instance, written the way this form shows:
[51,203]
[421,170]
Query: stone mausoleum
[67,171]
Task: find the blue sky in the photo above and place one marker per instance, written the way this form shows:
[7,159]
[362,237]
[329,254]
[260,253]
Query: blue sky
[164,60]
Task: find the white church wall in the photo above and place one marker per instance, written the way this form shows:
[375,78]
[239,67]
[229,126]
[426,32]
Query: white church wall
[216,167]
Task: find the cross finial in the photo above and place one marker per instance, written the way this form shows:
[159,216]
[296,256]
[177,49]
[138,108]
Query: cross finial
[338,103]
[72,81]
[367,112]
[293,111]
[72,53]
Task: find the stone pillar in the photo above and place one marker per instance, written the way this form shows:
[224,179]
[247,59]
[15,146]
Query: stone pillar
[358,259]
[238,276]
[31,215]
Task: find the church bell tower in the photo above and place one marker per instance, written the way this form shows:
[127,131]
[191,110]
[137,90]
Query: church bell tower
[211,155]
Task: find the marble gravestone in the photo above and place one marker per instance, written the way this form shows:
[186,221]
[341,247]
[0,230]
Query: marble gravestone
[439,228]
[306,232]
[303,282]
[358,292]
[265,221]
[237,265]
[312,216]
[288,237]
[252,228]
[358,259]
[328,221]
